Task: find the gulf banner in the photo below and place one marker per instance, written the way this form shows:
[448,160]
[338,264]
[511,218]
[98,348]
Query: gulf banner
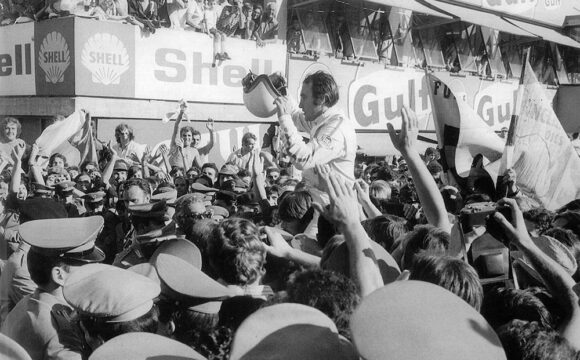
[546,164]
[461,132]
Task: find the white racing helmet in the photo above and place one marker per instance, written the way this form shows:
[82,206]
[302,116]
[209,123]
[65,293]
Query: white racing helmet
[260,93]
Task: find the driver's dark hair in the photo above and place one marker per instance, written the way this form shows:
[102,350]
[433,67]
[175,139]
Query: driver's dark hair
[324,88]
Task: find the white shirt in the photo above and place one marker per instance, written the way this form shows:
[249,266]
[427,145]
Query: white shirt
[332,142]
[132,148]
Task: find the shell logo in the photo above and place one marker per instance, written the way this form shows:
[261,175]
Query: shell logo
[105,56]
[54,57]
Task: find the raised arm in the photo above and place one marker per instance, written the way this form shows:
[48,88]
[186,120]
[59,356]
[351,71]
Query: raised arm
[204,150]
[175,135]
[108,171]
[427,189]
[17,154]
[344,212]
[280,248]
[327,145]
[557,280]
[364,199]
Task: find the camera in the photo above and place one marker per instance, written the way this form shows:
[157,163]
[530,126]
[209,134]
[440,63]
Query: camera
[481,214]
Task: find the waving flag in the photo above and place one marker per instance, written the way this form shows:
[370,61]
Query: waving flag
[543,158]
[67,134]
[461,133]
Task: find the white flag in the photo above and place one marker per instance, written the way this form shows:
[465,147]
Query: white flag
[547,167]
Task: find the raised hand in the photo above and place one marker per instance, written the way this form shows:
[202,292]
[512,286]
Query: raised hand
[406,140]
[344,208]
[210,125]
[362,191]
[516,230]
[164,150]
[283,105]
[257,166]
[113,151]
[278,246]
[18,151]
[179,143]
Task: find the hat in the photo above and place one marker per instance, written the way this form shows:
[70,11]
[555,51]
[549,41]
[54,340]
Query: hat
[158,235]
[418,320]
[289,331]
[65,186]
[121,165]
[147,270]
[164,193]
[40,208]
[108,292]
[201,188]
[156,210]
[142,346]
[188,285]
[39,188]
[236,185]
[11,350]
[335,258]
[554,249]
[272,169]
[218,212]
[259,96]
[94,197]
[181,248]
[72,238]
[204,180]
[229,169]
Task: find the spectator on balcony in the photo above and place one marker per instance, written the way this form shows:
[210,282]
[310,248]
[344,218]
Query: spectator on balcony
[268,28]
[145,13]
[294,37]
[231,19]
[211,15]
[185,14]
[245,32]
[113,10]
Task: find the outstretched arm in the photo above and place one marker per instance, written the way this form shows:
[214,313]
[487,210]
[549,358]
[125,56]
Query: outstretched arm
[343,212]
[211,128]
[108,172]
[427,189]
[556,279]
[17,154]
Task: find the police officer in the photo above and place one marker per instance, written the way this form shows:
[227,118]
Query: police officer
[153,224]
[332,135]
[42,322]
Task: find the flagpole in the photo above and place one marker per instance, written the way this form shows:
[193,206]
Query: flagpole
[507,157]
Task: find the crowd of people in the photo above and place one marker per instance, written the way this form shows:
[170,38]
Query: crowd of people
[251,19]
[291,250]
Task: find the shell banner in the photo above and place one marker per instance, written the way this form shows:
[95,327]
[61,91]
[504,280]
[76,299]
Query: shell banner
[54,54]
[105,60]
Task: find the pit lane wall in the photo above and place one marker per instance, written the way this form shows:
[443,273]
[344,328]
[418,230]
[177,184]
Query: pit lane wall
[118,73]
